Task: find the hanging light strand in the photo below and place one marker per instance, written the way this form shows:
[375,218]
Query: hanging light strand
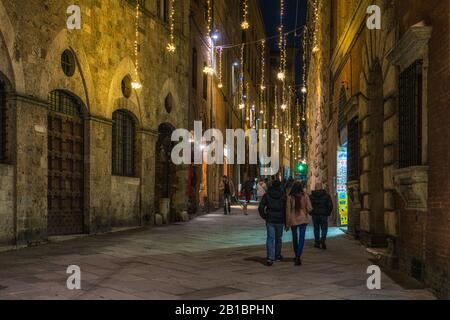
[241,80]
[136,84]
[316,13]
[171,45]
[209,67]
[281,73]
[220,85]
[245,24]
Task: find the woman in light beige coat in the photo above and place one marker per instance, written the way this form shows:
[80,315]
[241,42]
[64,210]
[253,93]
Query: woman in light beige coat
[298,209]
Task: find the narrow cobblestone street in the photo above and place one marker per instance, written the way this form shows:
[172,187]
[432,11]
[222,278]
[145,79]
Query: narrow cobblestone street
[214,257]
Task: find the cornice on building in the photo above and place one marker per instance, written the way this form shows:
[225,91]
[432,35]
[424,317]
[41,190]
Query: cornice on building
[349,36]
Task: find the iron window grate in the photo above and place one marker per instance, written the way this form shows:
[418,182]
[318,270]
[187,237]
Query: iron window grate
[410,116]
[124,135]
[64,103]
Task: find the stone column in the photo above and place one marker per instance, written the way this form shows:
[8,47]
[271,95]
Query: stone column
[99,182]
[147,173]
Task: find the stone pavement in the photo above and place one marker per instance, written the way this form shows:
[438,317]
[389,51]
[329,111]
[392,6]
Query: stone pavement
[211,257]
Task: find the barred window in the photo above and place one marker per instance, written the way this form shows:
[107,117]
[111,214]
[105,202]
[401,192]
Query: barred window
[63,102]
[353,150]
[123,144]
[410,116]
[2,120]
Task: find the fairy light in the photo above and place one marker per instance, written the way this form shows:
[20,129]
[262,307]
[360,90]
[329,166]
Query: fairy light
[220,85]
[136,85]
[209,68]
[171,45]
[316,13]
[281,44]
[241,79]
[245,24]
[263,65]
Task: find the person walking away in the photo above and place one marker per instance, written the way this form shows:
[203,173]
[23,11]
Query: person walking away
[248,192]
[227,188]
[322,209]
[261,190]
[298,209]
[272,209]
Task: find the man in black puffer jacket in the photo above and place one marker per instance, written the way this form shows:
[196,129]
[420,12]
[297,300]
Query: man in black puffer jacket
[272,208]
[322,209]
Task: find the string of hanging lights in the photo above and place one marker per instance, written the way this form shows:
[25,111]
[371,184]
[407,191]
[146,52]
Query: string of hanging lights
[136,85]
[245,24]
[281,41]
[241,80]
[316,15]
[171,45]
[209,67]
[220,85]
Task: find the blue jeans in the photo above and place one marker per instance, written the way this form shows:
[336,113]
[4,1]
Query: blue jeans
[274,240]
[298,239]
[320,226]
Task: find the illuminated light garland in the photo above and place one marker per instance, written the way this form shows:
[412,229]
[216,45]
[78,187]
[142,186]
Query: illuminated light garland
[171,45]
[245,24]
[263,65]
[241,80]
[276,108]
[136,85]
[220,85]
[316,13]
[209,68]
[281,45]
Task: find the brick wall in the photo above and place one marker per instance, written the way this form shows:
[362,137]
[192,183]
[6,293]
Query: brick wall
[438,224]
[426,236]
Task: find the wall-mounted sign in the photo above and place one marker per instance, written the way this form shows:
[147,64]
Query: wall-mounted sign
[341,186]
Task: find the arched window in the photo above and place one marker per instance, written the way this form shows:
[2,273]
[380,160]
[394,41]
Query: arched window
[2,120]
[123,144]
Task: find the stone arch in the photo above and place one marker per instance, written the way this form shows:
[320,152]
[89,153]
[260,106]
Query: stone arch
[377,84]
[52,77]
[169,88]
[14,67]
[115,96]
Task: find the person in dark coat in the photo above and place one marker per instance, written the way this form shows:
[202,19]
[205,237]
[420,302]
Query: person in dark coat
[322,208]
[272,209]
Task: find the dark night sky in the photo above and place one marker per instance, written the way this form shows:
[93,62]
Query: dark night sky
[271,14]
[292,20]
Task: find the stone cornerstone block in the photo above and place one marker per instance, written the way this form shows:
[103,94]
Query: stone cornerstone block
[365,221]
[391,223]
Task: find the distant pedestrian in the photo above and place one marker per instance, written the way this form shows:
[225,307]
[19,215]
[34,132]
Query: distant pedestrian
[261,190]
[322,209]
[298,209]
[272,209]
[227,188]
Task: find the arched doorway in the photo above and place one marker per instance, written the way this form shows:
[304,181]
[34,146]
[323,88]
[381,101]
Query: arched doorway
[66,169]
[165,174]
[376,149]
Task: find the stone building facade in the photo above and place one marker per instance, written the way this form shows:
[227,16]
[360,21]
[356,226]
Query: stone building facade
[78,143]
[384,95]
[81,150]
